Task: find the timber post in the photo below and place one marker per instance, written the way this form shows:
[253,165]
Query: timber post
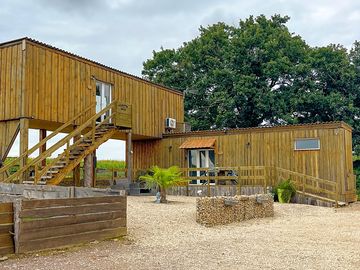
[17,223]
[42,149]
[129,157]
[89,170]
[24,145]
[76,171]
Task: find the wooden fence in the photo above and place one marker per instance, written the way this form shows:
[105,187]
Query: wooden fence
[256,176]
[103,177]
[6,228]
[52,223]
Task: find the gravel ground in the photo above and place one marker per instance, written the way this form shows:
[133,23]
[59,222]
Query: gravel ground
[167,237]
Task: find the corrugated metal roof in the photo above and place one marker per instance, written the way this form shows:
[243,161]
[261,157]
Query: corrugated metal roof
[89,60]
[198,143]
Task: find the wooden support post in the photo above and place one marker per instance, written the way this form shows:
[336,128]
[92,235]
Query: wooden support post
[94,169]
[24,145]
[88,170]
[76,171]
[17,223]
[129,157]
[42,136]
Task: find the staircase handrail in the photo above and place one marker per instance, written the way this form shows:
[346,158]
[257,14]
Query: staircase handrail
[43,141]
[39,174]
[64,140]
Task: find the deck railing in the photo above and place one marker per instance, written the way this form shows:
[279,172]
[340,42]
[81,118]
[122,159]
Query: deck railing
[264,176]
[85,130]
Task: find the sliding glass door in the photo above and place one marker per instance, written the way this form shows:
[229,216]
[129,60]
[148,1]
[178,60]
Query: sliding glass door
[200,158]
[103,98]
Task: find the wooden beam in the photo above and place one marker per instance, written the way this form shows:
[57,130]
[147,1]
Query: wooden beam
[42,149]
[129,157]
[89,167]
[76,171]
[24,145]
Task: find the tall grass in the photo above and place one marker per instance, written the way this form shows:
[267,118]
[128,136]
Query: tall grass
[110,164]
[101,164]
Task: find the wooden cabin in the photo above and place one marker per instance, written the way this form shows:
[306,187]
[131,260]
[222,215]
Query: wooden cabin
[49,89]
[316,155]
[45,88]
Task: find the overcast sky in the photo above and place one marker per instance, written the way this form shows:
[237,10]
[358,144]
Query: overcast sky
[123,33]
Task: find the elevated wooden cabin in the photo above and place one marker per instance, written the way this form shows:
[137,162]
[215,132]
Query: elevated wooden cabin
[45,88]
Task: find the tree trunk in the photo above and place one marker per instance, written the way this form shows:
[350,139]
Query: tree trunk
[163,195]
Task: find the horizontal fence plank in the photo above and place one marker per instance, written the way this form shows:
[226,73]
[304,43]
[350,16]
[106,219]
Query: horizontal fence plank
[58,231]
[68,220]
[6,218]
[31,204]
[6,240]
[6,207]
[72,239]
[68,210]
[6,228]
[7,250]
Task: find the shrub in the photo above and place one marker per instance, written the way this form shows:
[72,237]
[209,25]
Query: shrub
[162,178]
[285,191]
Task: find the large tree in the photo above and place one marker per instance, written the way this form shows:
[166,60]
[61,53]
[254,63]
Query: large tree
[259,73]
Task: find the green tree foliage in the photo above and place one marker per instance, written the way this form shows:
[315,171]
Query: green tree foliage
[260,73]
[162,179]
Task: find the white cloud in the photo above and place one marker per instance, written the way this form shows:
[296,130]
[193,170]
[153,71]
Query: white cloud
[123,33]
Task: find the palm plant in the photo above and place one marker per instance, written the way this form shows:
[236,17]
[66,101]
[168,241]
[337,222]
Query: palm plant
[163,179]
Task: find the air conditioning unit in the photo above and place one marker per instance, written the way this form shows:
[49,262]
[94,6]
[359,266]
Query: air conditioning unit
[170,123]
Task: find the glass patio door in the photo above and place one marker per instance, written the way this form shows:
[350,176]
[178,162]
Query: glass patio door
[103,98]
[200,158]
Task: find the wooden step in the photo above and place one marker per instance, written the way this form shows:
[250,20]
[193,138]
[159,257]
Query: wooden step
[76,152]
[32,182]
[57,167]
[85,145]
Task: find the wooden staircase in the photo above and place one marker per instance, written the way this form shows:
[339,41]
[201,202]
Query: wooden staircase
[58,171]
[79,143]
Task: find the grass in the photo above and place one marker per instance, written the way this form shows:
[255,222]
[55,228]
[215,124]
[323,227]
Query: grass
[100,164]
[110,164]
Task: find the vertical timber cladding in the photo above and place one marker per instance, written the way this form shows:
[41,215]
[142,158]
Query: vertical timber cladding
[263,147]
[61,85]
[11,78]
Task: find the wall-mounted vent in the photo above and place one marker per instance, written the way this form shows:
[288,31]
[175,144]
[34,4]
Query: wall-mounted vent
[170,123]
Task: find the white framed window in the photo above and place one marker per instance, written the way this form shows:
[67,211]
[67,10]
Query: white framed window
[201,158]
[307,144]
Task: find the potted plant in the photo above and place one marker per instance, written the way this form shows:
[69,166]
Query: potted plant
[285,191]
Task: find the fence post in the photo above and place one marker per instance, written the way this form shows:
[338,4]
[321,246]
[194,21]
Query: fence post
[337,195]
[17,205]
[265,175]
[187,182]
[208,180]
[112,176]
[239,179]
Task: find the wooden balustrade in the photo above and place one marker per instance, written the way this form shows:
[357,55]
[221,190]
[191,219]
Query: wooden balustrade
[260,176]
[88,127]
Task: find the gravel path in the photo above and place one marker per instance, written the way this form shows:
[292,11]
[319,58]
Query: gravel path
[167,237]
